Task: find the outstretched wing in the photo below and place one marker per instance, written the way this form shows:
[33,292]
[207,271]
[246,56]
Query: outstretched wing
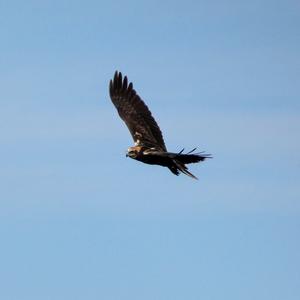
[135,113]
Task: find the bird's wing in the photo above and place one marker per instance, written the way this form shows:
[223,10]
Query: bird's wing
[135,113]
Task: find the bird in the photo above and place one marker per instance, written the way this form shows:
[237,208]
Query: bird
[149,146]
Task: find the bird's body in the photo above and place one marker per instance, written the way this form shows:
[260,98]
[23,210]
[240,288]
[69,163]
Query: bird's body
[149,145]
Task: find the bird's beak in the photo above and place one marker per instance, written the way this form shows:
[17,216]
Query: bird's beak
[127,155]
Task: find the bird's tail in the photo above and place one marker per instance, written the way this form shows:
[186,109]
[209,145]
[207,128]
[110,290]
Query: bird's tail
[189,158]
[180,160]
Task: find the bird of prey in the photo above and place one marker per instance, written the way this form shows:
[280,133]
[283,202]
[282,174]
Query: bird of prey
[149,146]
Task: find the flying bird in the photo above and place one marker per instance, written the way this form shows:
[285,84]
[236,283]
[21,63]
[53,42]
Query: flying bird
[149,146]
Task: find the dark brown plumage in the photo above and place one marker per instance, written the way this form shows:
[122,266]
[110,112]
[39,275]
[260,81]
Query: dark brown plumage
[149,143]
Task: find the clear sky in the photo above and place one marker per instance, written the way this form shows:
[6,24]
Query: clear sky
[79,220]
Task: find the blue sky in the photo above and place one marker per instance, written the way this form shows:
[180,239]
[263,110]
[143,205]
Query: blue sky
[79,220]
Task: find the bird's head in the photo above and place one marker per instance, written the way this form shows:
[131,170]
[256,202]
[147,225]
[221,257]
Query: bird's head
[132,152]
